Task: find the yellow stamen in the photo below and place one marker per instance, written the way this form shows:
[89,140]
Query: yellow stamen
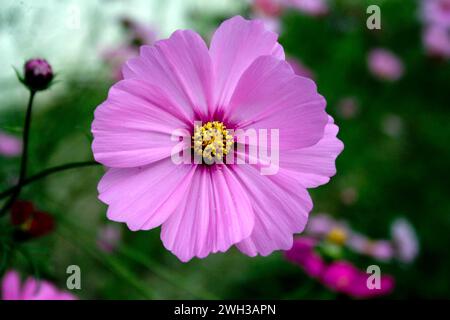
[212,140]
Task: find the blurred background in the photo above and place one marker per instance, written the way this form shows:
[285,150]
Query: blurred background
[387,89]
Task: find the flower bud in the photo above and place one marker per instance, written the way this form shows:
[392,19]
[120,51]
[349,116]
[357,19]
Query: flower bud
[38,74]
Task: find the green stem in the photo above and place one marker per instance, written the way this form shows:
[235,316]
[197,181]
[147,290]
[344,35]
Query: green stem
[24,158]
[48,172]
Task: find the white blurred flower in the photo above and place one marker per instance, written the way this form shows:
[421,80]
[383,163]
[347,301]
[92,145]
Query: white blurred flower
[405,240]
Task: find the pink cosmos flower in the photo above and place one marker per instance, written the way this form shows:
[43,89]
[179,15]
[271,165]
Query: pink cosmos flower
[241,82]
[405,240]
[270,8]
[299,68]
[324,227]
[10,146]
[340,276]
[385,65]
[309,7]
[270,23]
[116,57]
[381,250]
[436,12]
[31,289]
[344,277]
[268,11]
[303,254]
[136,34]
[437,41]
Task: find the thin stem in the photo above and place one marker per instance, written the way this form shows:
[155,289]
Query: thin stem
[24,158]
[48,172]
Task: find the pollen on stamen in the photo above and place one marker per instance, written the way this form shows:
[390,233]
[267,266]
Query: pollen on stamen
[212,141]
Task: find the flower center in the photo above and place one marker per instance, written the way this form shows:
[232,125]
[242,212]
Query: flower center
[337,236]
[212,140]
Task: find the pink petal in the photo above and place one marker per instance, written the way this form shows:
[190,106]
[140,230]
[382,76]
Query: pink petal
[270,96]
[38,290]
[144,197]
[182,66]
[43,290]
[309,7]
[11,286]
[341,276]
[313,166]
[303,254]
[358,288]
[134,126]
[214,215]
[281,208]
[234,47]
[10,146]
[320,224]
[385,65]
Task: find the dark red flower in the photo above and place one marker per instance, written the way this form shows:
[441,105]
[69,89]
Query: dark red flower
[21,212]
[30,222]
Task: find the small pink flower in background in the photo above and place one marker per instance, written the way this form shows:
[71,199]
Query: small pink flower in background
[271,23]
[299,68]
[302,253]
[324,227]
[437,41]
[270,8]
[109,237]
[381,250]
[344,277]
[268,11]
[437,12]
[136,35]
[339,276]
[309,7]
[31,289]
[320,224]
[241,81]
[116,57]
[10,146]
[348,107]
[385,65]
[406,244]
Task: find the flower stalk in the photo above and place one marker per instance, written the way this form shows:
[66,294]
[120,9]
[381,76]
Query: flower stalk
[24,158]
[48,172]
